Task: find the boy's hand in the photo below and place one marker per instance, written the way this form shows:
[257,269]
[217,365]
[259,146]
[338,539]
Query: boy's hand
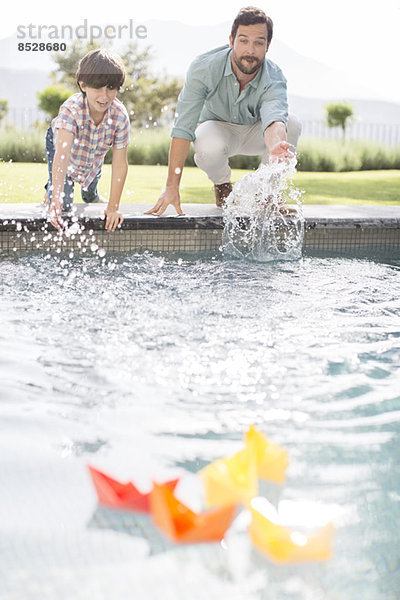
[54,215]
[113,219]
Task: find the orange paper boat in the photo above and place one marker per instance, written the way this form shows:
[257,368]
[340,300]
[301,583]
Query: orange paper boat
[271,459]
[125,496]
[180,524]
[231,480]
[282,545]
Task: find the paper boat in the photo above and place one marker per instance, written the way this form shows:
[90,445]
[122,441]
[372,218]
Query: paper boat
[230,480]
[282,545]
[180,524]
[271,459]
[125,496]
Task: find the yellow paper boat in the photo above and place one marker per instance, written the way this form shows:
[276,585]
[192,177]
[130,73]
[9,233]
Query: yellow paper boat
[271,459]
[230,480]
[282,545]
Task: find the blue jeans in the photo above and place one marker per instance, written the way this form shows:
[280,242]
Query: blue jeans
[89,195]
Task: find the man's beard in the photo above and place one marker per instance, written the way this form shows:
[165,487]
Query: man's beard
[253,67]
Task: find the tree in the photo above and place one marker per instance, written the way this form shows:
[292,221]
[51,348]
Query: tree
[339,114]
[3,109]
[148,98]
[51,98]
[67,62]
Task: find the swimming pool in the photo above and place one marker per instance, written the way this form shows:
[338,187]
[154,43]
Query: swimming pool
[148,365]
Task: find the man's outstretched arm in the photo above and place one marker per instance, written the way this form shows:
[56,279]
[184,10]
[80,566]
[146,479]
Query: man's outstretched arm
[276,142]
[178,152]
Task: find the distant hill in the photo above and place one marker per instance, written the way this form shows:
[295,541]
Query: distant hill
[20,87]
[310,84]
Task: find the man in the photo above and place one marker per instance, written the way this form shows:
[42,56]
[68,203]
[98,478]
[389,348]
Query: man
[239,98]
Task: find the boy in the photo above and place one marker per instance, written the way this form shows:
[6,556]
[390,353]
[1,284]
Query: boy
[87,126]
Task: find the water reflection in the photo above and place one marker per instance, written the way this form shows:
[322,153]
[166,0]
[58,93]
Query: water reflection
[153,365]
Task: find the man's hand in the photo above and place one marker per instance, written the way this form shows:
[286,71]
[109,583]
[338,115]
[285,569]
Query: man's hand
[113,219]
[169,196]
[54,215]
[281,151]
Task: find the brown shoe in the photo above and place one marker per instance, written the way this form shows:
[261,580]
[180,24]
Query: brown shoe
[222,191]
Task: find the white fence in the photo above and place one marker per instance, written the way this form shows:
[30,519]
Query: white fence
[25,118]
[377,132]
[22,118]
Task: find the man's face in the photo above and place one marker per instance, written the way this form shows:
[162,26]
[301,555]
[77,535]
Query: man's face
[249,47]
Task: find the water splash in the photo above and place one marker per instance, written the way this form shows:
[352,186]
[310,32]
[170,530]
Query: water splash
[258,224]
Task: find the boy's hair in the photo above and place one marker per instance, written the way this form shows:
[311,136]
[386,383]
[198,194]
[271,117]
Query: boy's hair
[99,68]
[250,15]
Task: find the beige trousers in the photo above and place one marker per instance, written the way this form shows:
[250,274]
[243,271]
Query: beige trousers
[216,141]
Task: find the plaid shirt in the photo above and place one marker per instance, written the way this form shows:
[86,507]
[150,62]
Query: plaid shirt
[91,142]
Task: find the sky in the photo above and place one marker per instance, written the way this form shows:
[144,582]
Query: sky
[354,36]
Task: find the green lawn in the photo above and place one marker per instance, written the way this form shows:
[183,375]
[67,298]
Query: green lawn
[23,182]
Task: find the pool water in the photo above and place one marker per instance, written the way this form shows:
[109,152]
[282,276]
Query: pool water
[148,366]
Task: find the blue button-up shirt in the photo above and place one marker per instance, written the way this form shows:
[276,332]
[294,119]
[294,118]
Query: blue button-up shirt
[211,92]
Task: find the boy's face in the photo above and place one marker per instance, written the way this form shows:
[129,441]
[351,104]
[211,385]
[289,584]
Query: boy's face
[98,99]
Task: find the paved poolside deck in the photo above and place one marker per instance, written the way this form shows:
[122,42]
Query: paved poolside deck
[333,228]
[312,212]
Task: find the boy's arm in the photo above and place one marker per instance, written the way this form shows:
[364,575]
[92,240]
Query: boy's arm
[60,163]
[118,176]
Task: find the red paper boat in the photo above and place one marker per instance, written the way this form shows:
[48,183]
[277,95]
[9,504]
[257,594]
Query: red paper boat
[125,496]
[180,524]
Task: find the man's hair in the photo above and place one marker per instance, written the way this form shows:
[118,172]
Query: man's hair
[250,15]
[99,68]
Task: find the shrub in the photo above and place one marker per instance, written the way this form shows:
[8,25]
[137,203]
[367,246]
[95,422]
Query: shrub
[51,98]
[332,155]
[244,162]
[22,146]
[150,147]
[3,108]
